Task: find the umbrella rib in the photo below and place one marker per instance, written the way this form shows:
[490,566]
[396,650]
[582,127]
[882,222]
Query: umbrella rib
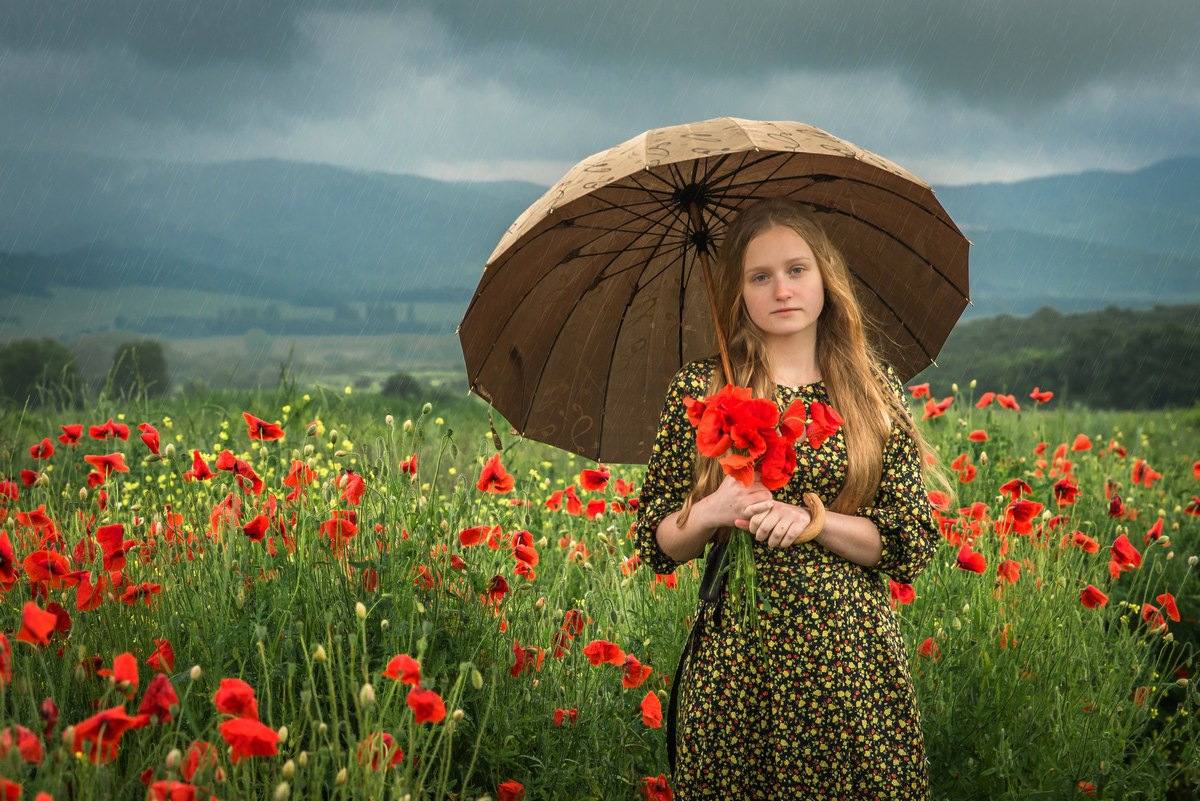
[902,321]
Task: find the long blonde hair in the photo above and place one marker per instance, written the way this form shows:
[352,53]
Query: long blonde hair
[854,380]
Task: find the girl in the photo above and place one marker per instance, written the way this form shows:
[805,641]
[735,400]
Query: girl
[824,709]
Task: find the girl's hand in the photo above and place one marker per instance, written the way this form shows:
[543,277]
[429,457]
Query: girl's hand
[776,523]
[726,506]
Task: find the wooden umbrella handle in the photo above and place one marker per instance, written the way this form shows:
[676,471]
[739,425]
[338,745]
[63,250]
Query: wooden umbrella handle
[817,510]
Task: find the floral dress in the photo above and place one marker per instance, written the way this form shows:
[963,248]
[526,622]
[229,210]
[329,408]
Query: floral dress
[825,710]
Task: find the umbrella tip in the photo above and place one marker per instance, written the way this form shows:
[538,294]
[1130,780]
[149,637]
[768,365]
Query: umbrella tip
[969,302]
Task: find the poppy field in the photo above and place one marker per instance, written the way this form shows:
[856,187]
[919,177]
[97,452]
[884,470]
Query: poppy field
[282,594]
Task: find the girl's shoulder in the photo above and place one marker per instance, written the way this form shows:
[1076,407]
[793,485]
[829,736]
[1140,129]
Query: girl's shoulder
[889,378]
[693,378]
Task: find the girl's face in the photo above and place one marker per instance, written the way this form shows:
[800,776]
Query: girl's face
[781,284]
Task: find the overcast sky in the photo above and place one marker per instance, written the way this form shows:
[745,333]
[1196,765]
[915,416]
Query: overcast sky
[957,91]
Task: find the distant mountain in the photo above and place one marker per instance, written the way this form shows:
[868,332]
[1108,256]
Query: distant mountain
[312,233]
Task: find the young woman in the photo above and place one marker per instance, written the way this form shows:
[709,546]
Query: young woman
[824,709]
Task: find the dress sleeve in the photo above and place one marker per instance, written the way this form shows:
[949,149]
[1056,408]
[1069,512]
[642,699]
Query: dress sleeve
[901,509]
[668,478]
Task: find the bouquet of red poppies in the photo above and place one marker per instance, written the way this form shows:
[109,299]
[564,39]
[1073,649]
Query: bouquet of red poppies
[749,435]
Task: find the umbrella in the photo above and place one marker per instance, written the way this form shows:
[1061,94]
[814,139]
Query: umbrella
[595,296]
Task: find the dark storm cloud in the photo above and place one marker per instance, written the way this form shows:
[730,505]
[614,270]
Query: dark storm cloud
[1001,51]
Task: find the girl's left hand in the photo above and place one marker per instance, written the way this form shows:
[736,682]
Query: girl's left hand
[776,523]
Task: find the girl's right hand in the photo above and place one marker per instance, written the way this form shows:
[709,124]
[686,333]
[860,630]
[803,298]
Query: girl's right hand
[727,504]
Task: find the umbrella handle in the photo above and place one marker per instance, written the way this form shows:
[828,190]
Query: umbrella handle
[702,250]
[817,509]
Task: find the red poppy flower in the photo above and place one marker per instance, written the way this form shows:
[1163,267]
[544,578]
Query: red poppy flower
[426,705]
[599,652]
[1008,402]
[1016,488]
[1153,617]
[930,650]
[1168,602]
[633,672]
[1019,515]
[970,560]
[171,790]
[527,658]
[201,755]
[594,480]
[88,596]
[1142,473]
[712,419]
[510,790]
[28,744]
[409,465]
[404,669]
[149,436]
[985,400]
[256,529]
[657,788]
[1196,470]
[651,711]
[494,478]
[352,487]
[48,567]
[236,697]
[574,505]
[159,698]
[1066,491]
[163,657]
[30,477]
[1041,396]
[261,429]
[249,738]
[595,508]
[143,591]
[1193,506]
[342,525]
[1124,554]
[124,673]
[935,408]
[43,450]
[625,488]
[241,470]
[920,391]
[8,489]
[978,435]
[901,593]
[477,535]
[5,660]
[1085,542]
[379,751]
[70,434]
[8,563]
[36,625]
[1154,533]
[107,464]
[299,476]
[1082,443]
[109,429]
[200,470]
[99,737]
[1009,571]
[562,715]
[1092,598]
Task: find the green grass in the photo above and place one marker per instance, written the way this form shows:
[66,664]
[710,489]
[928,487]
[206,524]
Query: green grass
[1062,705]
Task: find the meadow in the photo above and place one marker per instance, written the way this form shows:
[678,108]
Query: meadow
[307,594]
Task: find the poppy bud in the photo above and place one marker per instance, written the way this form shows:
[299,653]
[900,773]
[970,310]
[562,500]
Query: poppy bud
[1192,561]
[458,714]
[983,457]
[407,426]
[1170,554]
[476,679]
[308,450]
[333,435]
[195,672]
[281,791]
[83,493]
[954,387]
[319,654]
[282,733]
[389,420]
[366,696]
[322,728]
[174,758]
[427,408]
[289,769]
[360,611]
[384,625]
[169,450]
[966,608]
[339,453]
[302,760]
[68,736]
[973,383]
[341,777]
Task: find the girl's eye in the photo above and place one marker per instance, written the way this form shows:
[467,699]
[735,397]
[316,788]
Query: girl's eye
[796,270]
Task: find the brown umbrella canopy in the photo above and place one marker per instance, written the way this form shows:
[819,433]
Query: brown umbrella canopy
[594,297]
